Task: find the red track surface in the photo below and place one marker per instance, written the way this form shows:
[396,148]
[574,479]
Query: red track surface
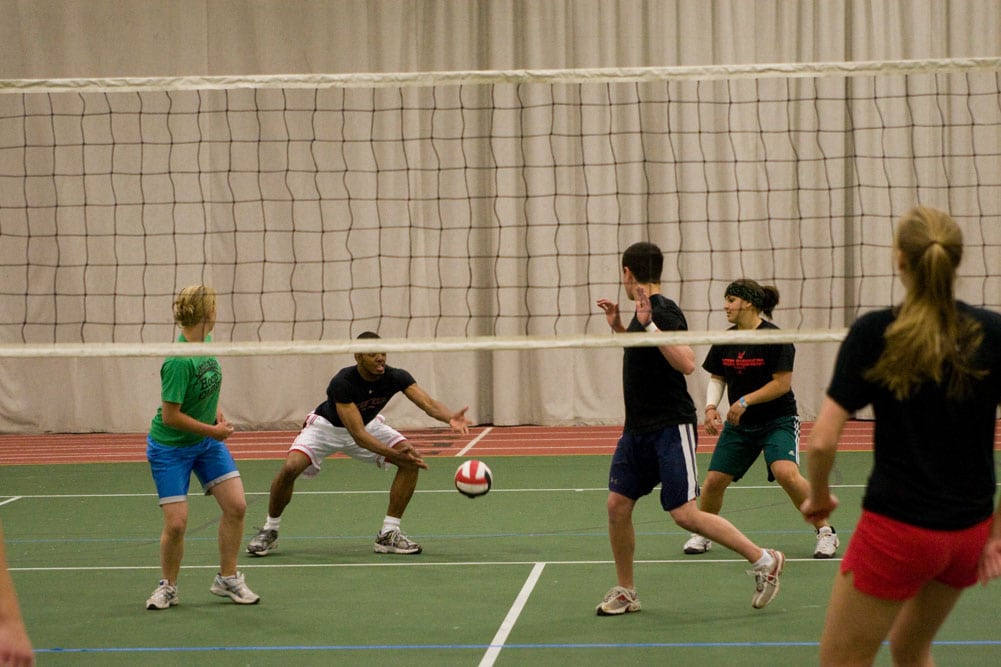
[247,445]
[481,441]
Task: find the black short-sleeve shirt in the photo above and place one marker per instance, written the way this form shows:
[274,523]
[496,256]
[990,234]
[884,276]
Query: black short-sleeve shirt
[655,394]
[747,368]
[348,386]
[933,455]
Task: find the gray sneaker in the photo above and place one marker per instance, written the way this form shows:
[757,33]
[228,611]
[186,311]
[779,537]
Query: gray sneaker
[235,589]
[395,542]
[827,543]
[766,581]
[263,543]
[618,600]
[163,597]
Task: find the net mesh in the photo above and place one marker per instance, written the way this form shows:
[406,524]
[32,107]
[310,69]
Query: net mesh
[481,204]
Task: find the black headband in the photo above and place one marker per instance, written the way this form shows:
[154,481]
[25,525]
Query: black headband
[743,291]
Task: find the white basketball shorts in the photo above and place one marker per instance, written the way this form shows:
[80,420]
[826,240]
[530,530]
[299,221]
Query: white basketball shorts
[319,439]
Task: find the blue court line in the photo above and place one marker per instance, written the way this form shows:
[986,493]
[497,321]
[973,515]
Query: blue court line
[467,647]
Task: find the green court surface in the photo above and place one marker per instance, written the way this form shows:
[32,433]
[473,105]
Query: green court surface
[509,579]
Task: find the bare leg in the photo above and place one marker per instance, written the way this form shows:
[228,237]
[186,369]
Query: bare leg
[402,490]
[787,474]
[919,621]
[175,523]
[713,489]
[622,536]
[231,499]
[855,626]
[717,529]
[283,485]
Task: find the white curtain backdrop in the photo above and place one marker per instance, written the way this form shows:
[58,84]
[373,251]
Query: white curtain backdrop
[50,39]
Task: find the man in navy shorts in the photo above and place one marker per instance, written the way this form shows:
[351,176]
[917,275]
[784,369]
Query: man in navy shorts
[658,440]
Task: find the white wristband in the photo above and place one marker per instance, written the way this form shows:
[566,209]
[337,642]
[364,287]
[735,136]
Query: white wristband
[652,327]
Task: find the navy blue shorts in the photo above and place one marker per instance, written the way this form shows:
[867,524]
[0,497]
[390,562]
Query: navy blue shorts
[665,457]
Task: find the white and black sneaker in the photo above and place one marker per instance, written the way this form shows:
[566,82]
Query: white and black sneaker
[395,542]
[263,543]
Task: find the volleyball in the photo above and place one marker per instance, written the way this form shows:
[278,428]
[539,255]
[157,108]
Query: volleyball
[473,478]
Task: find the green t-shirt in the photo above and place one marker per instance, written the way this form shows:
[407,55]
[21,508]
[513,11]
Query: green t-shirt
[194,382]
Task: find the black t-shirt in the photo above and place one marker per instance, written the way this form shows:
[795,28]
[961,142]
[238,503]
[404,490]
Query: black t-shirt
[348,386]
[656,395]
[747,368]
[933,456]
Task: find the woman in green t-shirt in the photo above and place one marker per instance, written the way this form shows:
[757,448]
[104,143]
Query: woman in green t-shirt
[186,436]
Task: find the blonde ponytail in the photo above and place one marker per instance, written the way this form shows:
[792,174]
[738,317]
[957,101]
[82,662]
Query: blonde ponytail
[929,339]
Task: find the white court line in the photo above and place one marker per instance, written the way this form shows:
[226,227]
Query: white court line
[10,500]
[497,643]
[472,443]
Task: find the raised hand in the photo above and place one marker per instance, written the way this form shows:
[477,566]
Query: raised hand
[643,315]
[612,314]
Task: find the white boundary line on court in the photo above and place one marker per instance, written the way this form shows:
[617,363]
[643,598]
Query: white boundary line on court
[10,500]
[497,643]
[472,443]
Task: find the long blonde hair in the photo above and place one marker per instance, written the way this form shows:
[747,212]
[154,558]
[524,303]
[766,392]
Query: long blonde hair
[193,305]
[928,339]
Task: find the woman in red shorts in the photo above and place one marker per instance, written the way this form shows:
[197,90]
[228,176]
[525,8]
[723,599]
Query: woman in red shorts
[931,369]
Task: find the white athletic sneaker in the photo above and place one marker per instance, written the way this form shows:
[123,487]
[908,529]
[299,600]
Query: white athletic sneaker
[827,543]
[617,601]
[234,588]
[163,597]
[766,581]
[697,544]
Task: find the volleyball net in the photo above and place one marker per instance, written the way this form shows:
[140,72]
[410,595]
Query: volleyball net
[447,208]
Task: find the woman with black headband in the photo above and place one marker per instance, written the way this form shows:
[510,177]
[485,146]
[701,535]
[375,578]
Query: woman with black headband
[762,416]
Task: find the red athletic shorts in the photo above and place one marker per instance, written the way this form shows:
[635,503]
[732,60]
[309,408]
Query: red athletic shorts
[893,560]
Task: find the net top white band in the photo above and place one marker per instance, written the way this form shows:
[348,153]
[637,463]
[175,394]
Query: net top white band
[445,344]
[593,75]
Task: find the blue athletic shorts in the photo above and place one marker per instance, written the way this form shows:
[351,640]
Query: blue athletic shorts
[171,467]
[665,457]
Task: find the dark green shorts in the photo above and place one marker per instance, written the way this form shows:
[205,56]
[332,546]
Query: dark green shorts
[738,447]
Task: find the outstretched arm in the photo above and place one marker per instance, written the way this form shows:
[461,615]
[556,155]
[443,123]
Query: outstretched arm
[437,409]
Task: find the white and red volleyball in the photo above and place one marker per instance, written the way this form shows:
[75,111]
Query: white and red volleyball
[473,478]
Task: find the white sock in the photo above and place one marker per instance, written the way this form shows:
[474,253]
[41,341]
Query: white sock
[765,562]
[389,523]
[272,523]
